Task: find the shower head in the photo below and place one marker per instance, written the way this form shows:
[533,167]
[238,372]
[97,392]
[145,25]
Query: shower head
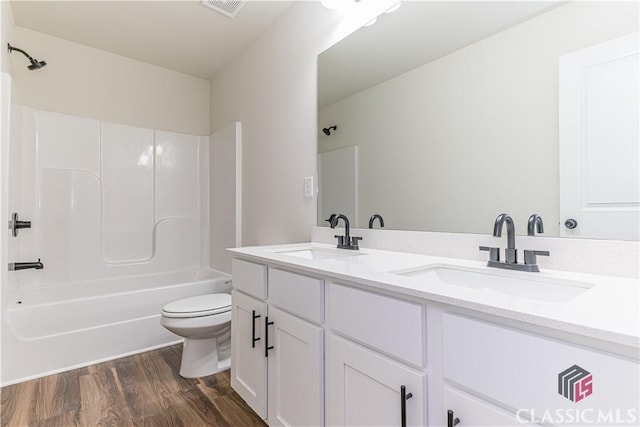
[35,64]
[327,131]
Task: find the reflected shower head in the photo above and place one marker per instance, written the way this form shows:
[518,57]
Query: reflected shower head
[35,64]
[327,131]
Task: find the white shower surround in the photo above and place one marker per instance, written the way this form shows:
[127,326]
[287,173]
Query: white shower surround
[120,220]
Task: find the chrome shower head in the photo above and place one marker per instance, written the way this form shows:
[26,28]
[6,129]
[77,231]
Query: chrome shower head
[35,64]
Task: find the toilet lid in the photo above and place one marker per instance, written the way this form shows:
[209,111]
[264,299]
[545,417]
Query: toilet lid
[202,305]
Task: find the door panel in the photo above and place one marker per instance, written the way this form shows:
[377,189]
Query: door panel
[296,371]
[599,141]
[364,388]
[248,366]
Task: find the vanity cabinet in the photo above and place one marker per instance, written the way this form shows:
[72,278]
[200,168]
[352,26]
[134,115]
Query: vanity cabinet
[541,379]
[367,389]
[310,351]
[277,352]
[373,341]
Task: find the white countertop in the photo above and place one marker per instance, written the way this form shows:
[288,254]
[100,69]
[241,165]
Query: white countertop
[608,310]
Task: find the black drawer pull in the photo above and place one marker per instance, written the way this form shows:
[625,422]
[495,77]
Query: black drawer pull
[253,329]
[451,421]
[404,396]
[267,347]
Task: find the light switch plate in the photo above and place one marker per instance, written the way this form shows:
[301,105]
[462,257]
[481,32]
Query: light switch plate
[308,186]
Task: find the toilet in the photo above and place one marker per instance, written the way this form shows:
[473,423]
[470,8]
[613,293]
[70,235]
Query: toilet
[205,323]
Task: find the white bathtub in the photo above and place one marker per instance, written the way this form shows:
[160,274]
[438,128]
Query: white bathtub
[56,328]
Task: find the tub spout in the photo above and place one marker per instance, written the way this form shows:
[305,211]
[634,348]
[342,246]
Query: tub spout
[25,265]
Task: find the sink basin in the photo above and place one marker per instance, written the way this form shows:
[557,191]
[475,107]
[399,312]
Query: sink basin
[535,288]
[319,254]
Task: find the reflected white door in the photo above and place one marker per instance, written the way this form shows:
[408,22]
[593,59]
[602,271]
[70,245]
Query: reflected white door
[338,176]
[599,142]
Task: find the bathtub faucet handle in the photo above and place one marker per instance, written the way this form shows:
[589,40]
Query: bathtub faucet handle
[15,224]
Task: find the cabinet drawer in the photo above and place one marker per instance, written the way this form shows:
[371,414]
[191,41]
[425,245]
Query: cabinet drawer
[250,278]
[297,294]
[390,325]
[472,411]
[523,370]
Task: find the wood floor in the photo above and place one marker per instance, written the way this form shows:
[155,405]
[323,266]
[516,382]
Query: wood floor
[140,390]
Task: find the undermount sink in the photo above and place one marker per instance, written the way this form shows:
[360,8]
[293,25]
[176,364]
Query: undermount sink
[534,288]
[319,254]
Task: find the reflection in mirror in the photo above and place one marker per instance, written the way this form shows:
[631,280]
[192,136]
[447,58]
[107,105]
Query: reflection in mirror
[452,111]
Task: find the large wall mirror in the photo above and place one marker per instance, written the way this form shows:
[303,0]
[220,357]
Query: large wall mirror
[449,113]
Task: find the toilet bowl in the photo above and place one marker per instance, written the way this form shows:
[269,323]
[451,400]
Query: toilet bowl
[205,323]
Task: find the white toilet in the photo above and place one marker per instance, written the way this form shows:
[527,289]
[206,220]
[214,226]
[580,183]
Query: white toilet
[205,323]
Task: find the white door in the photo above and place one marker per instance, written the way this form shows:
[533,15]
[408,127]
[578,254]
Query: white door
[338,184]
[296,371]
[599,142]
[248,364]
[364,388]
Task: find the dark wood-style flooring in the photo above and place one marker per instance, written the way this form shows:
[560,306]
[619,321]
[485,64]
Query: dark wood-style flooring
[140,390]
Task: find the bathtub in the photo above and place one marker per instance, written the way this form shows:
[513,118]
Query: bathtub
[55,328]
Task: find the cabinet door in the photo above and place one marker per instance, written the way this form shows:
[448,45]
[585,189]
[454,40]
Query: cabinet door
[248,364]
[364,388]
[296,371]
[471,411]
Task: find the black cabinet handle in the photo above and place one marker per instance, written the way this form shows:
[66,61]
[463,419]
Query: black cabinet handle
[451,421]
[267,347]
[404,396]
[253,329]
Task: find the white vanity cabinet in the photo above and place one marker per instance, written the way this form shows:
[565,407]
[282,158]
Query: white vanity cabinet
[539,379]
[366,383]
[315,351]
[277,351]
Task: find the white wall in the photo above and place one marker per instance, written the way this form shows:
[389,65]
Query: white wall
[88,82]
[271,89]
[495,100]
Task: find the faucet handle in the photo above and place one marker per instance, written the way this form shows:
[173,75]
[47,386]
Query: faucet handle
[530,256]
[494,253]
[354,241]
[340,239]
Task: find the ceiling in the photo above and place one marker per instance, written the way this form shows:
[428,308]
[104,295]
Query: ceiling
[417,33]
[181,35]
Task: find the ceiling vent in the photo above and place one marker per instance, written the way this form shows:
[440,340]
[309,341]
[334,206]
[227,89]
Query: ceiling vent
[225,7]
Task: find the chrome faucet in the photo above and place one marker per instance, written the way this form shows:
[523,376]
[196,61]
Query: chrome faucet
[511,253]
[373,218]
[346,241]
